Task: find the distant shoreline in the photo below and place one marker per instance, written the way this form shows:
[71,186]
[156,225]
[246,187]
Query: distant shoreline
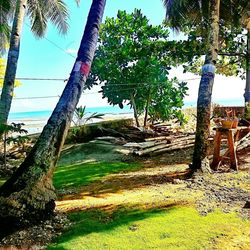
[36,125]
[35,120]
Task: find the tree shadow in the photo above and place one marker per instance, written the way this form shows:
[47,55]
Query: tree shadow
[126,181]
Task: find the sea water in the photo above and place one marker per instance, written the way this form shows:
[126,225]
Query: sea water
[45,114]
[35,120]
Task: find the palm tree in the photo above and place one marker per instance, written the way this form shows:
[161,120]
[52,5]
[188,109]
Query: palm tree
[208,12]
[205,15]
[246,22]
[39,12]
[29,193]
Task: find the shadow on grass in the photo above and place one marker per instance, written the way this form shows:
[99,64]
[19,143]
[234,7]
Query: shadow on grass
[106,219]
[77,175]
[127,181]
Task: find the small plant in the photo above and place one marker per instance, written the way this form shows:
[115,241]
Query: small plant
[231,121]
[7,131]
[81,117]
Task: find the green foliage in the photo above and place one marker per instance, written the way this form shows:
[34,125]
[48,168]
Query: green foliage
[82,117]
[2,72]
[232,51]
[5,7]
[192,18]
[132,61]
[169,228]
[12,128]
[7,131]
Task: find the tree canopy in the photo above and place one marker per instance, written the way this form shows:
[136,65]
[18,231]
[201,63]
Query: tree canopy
[132,61]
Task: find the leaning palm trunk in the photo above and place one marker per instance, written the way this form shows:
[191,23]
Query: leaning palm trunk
[13,54]
[29,194]
[205,90]
[247,89]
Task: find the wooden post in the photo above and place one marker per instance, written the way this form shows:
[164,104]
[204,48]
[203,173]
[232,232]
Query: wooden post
[217,143]
[229,134]
[232,150]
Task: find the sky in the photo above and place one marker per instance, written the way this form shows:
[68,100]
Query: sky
[54,55]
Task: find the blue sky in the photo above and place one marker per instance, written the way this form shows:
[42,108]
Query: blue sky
[39,58]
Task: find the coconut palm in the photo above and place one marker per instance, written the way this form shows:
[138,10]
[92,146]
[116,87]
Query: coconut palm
[29,193]
[39,13]
[205,15]
[207,12]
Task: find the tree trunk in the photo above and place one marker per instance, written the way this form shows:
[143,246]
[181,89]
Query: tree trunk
[247,89]
[135,110]
[28,196]
[205,90]
[146,110]
[13,54]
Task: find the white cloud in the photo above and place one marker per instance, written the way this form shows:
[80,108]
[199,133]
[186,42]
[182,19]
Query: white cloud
[71,51]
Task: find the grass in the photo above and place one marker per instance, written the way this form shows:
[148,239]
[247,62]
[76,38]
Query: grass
[2,181]
[127,206]
[170,228]
[77,175]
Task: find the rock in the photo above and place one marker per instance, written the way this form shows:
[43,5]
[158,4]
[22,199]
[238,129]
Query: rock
[205,166]
[247,204]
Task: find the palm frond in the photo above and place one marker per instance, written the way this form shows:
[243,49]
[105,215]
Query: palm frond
[40,12]
[58,15]
[37,17]
[6,13]
[178,11]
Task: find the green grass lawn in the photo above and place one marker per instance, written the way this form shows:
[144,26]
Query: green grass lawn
[171,228]
[76,175]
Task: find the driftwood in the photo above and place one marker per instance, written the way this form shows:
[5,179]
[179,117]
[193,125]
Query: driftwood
[158,147]
[243,142]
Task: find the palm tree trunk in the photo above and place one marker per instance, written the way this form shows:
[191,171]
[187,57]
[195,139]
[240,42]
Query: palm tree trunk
[13,54]
[132,99]
[29,194]
[205,90]
[247,89]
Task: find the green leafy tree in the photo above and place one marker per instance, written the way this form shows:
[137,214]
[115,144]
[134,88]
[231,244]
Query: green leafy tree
[132,61]
[29,196]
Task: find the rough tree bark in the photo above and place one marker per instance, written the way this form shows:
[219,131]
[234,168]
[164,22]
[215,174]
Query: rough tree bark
[205,90]
[28,196]
[247,89]
[132,99]
[13,54]
[146,109]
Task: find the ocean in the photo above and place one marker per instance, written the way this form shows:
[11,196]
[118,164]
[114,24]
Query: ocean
[35,120]
[45,114]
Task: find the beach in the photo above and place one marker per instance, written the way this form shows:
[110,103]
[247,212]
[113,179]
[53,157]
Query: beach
[36,120]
